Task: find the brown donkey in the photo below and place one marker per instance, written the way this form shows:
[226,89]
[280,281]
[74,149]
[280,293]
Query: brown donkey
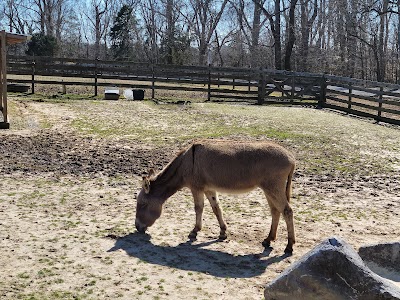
[212,166]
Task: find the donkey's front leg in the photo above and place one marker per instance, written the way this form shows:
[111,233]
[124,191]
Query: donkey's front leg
[198,197]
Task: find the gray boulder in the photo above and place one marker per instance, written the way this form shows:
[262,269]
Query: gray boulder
[382,258]
[332,270]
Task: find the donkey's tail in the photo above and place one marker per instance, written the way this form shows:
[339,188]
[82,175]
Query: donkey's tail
[289,184]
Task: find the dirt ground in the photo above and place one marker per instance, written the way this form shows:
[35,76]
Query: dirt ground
[67,206]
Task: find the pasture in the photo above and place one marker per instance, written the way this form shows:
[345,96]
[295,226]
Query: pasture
[70,170]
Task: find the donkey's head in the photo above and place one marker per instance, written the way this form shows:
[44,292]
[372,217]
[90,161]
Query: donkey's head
[148,206]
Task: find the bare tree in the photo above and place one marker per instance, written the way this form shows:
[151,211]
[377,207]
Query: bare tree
[275,27]
[170,17]
[204,20]
[291,37]
[307,17]
[250,25]
[375,34]
[98,16]
[152,28]
[14,12]
[50,15]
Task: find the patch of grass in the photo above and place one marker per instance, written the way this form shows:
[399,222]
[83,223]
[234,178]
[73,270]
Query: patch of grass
[65,295]
[68,224]
[91,283]
[48,261]
[23,275]
[63,198]
[43,273]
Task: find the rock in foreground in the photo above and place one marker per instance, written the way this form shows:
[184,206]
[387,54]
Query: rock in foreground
[383,255]
[332,270]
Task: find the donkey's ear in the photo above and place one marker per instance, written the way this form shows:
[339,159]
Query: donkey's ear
[152,172]
[146,185]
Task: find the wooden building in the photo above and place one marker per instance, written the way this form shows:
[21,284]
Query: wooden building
[5,40]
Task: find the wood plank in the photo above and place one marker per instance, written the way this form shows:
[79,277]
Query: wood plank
[361,82]
[337,99]
[224,96]
[349,111]
[391,111]
[391,102]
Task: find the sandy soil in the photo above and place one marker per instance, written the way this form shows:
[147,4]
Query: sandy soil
[67,207]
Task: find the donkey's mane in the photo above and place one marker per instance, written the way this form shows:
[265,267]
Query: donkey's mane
[170,169]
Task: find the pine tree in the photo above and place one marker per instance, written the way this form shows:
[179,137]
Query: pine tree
[42,45]
[122,34]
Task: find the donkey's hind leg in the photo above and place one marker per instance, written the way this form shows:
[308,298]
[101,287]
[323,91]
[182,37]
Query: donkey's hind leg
[213,198]
[198,197]
[279,204]
[274,225]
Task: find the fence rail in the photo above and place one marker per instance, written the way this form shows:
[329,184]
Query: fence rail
[377,100]
[380,101]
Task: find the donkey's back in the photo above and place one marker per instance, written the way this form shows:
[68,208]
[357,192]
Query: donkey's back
[231,166]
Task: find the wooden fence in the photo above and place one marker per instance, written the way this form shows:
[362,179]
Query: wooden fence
[376,100]
[216,82]
[364,98]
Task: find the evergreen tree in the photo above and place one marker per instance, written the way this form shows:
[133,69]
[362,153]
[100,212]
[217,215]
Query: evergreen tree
[175,49]
[42,45]
[122,34]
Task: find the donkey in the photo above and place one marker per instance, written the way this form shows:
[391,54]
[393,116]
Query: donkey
[211,166]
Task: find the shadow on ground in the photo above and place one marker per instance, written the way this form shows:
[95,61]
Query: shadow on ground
[195,257]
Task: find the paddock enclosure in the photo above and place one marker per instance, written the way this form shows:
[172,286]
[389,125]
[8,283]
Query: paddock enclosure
[71,168]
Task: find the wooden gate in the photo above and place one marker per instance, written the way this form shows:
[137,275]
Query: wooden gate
[283,85]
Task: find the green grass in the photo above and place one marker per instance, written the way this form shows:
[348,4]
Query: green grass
[170,122]
[65,295]
[323,142]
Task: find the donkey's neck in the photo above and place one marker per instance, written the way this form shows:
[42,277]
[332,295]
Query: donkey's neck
[170,179]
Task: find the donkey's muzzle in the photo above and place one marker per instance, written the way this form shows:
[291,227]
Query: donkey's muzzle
[140,227]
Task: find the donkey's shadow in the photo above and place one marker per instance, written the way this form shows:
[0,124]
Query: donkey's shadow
[193,257]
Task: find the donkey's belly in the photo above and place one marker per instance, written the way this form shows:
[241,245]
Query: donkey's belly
[231,189]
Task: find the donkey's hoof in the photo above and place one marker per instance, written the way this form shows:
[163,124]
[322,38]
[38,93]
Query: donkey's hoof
[192,235]
[223,236]
[288,250]
[266,243]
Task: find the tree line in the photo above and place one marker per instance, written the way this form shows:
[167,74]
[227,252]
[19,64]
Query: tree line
[352,38]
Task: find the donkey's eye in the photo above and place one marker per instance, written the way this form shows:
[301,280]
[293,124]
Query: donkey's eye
[142,205]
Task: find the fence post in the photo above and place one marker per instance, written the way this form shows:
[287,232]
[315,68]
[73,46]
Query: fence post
[350,97]
[95,77]
[152,81]
[261,87]
[209,83]
[64,88]
[322,98]
[380,104]
[33,77]
[293,89]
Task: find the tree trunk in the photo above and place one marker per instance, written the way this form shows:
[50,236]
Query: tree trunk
[291,36]
[255,35]
[277,35]
[306,24]
[170,31]
[205,21]
[381,55]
